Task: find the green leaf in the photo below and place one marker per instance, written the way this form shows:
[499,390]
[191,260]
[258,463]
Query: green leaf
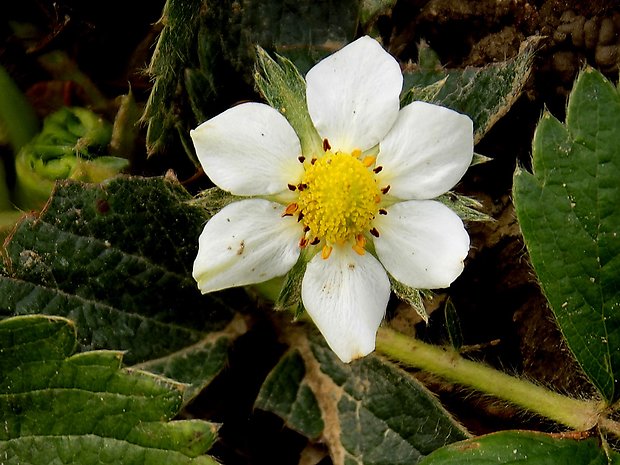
[521,447]
[367,412]
[568,212]
[467,208]
[116,258]
[61,408]
[285,89]
[286,394]
[205,55]
[485,94]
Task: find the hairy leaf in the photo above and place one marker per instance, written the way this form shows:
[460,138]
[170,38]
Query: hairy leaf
[568,212]
[56,407]
[116,259]
[523,448]
[485,94]
[367,412]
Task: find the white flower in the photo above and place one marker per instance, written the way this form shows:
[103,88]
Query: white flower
[360,207]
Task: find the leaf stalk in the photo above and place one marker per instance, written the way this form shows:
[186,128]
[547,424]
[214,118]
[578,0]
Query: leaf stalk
[580,415]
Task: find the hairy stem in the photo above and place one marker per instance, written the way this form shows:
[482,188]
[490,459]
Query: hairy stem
[578,414]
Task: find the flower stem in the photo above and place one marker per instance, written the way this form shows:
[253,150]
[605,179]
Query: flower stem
[580,415]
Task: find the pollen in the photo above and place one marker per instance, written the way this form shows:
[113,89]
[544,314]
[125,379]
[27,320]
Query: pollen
[340,199]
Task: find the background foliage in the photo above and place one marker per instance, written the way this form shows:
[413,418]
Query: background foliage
[105,269]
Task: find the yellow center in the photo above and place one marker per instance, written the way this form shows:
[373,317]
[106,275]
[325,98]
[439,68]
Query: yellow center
[338,198]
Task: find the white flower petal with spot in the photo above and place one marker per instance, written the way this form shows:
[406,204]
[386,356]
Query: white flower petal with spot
[422,243]
[427,151]
[353,95]
[346,296]
[249,149]
[246,242]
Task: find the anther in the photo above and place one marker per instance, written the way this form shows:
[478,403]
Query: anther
[290,209]
[386,189]
[378,169]
[302,186]
[301,158]
[368,161]
[326,145]
[360,242]
[326,252]
[382,211]
[377,198]
[356,153]
[291,187]
[315,241]
[306,228]
[300,217]
[303,242]
[313,161]
[374,232]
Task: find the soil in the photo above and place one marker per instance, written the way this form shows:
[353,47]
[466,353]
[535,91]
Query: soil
[503,314]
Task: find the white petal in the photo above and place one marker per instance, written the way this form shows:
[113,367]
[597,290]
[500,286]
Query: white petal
[346,296]
[249,149]
[246,242]
[422,243]
[353,95]
[427,151]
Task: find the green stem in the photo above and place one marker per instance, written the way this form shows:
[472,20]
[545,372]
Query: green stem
[580,415]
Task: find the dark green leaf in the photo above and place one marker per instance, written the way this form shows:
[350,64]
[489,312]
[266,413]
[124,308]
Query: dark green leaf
[569,215]
[371,411]
[485,94]
[286,394]
[521,447]
[116,258]
[67,409]
[207,50]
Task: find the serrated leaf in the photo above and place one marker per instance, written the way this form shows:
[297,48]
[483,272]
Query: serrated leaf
[285,89]
[414,297]
[200,363]
[373,412]
[205,53]
[569,216]
[484,94]
[523,448]
[116,258]
[286,394]
[61,408]
[467,208]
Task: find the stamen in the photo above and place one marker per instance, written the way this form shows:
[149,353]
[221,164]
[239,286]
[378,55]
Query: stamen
[368,161]
[302,186]
[290,209]
[374,232]
[356,153]
[326,145]
[360,242]
[303,242]
[306,228]
[326,252]
[315,241]
[301,158]
[300,217]
[382,211]
[313,161]
[291,187]
[378,169]
[386,189]
[377,198]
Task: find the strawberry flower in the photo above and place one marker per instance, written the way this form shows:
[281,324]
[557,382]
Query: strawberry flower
[358,209]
